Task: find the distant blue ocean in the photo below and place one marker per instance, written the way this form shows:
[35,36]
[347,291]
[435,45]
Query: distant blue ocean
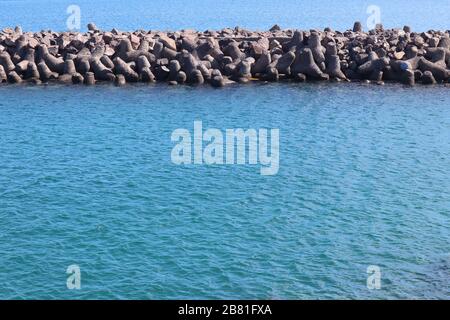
[210,14]
[86,176]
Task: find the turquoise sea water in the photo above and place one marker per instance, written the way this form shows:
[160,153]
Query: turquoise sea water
[86,178]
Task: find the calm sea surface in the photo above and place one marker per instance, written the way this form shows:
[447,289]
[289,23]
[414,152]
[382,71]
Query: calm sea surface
[86,176]
[211,14]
